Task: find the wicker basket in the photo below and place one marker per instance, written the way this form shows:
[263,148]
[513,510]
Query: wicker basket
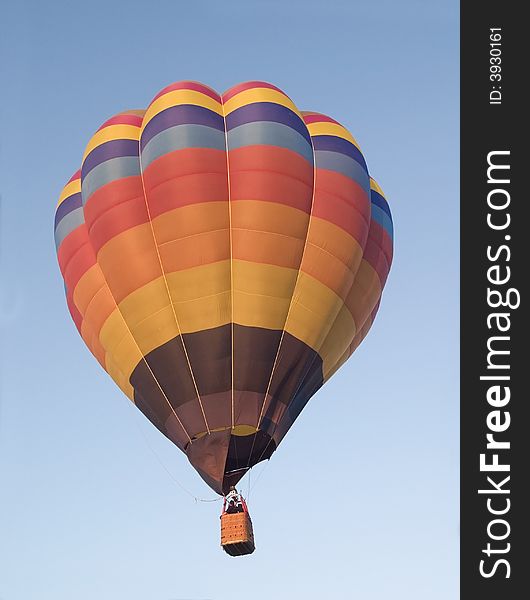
[237,537]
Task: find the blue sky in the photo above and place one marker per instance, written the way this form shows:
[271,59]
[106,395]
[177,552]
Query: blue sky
[89,503]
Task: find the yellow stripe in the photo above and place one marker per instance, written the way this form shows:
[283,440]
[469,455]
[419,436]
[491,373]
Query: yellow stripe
[114,369]
[375,186]
[259,95]
[178,97]
[156,330]
[144,302]
[327,128]
[362,297]
[338,340]
[262,294]
[201,298]
[112,132]
[240,430]
[331,369]
[122,352]
[313,308]
[70,189]
[197,282]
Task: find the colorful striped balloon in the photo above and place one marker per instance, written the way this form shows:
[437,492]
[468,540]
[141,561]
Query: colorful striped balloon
[223,256]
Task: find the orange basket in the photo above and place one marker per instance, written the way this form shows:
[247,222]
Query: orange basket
[237,537]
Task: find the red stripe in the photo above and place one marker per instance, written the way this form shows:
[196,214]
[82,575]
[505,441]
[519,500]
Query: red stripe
[381,236]
[271,158]
[313,117]
[342,201]
[377,259]
[248,85]
[378,251]
[189,85]
[267,186]
[116,220]
[338,211]
[185,190]
[78,265]
[183,177]
[111,195]
[76,315]
[113,208]
[123,120]
[271,174]
[70,245]
[76,175]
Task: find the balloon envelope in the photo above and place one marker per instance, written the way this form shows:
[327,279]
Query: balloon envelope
[222,255]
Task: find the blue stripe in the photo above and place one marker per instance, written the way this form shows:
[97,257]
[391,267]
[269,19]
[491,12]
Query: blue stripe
[337,144]
[110,170]
[267,111]
[380,216]
[68,223]
[67,205]
[380,201]
[181,137]
[340,163]
[184,114]
[108,150]
[268,133]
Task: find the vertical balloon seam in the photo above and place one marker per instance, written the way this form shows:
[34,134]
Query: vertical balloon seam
[231,269]
[168,291]
[89,242]
[288,313]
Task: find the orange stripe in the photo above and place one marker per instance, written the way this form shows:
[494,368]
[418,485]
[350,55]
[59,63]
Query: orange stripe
[200,249]
[328,269]
[90,338]
[267,247]
[129,261]
[364,294]
[190,220]
[268,216]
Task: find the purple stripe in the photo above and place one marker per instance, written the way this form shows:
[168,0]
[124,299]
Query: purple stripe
[380,201]
[338,144]
[106,151]
[267,111]
[67,206]
[183,114]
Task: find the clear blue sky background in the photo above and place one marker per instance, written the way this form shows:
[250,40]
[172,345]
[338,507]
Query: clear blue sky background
[88,510]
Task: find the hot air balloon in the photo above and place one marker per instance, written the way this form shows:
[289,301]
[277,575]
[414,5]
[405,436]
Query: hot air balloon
[223,256]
